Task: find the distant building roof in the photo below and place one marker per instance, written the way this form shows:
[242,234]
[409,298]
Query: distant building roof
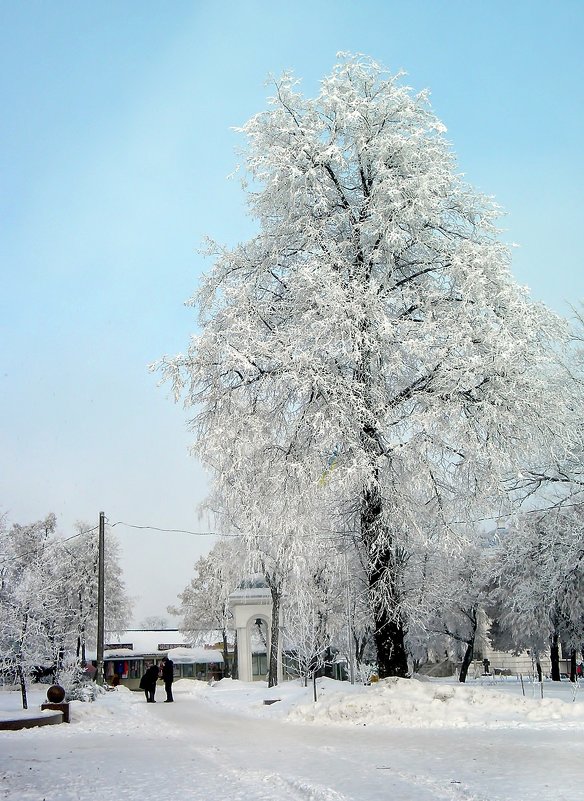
[139,642]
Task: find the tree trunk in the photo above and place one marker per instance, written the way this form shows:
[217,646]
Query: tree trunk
[22,682]
[235,672]
[83,652]
[466,661]
[389,632]
[359,648]
[226,671]
[274,638]
[573,666]
[20,661]
[555,658]
[472,615]
[389,638]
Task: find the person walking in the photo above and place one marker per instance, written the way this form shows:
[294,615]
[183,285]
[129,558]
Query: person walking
[168,677]
[148,683]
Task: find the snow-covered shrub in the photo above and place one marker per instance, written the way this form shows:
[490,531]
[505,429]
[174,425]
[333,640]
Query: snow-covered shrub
[88,691]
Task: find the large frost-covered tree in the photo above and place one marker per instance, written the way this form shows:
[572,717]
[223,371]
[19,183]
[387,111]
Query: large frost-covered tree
[368,345]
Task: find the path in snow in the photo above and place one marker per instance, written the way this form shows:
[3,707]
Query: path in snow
[193,750]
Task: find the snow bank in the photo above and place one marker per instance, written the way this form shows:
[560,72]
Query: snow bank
[407,702]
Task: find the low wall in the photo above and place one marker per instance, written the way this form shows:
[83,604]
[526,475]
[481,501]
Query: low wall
[31,721]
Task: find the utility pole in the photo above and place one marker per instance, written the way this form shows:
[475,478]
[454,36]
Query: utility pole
[100,597]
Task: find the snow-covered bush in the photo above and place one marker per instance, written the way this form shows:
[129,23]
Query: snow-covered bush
[87,691]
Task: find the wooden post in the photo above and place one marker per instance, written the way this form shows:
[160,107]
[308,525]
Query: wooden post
[100,598]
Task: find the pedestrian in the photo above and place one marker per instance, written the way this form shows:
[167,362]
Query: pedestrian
[148,683]
[167,677]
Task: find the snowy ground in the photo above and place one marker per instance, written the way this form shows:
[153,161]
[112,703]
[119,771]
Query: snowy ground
[397,740]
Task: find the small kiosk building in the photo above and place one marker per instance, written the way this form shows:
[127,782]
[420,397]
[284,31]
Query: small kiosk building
[127,656]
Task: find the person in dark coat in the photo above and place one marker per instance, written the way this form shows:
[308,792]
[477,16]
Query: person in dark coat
[167,677]
[148,683]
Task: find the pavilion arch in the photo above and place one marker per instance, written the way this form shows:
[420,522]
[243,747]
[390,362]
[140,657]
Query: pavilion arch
[252,612]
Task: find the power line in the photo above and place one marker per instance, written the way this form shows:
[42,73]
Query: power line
[56,542]
[171,530]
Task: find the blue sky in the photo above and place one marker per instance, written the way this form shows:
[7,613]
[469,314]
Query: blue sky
[116,144]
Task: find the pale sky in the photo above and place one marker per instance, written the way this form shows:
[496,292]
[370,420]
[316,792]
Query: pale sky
[116,146]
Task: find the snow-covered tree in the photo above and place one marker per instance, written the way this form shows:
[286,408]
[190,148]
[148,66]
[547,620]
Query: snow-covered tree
[460,594]
[78,568]
[48,596]
[539,583]
[118,605]
[361,650]
[273,557]
[369,341]
[204,603]
[154,622]
[559,480]
[315,609]
[272,523]
[29,598]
